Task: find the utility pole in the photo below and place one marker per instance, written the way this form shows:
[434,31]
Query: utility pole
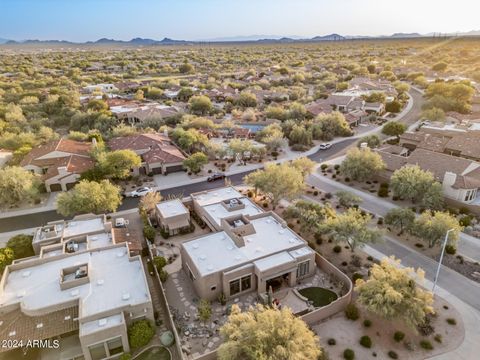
[440,261]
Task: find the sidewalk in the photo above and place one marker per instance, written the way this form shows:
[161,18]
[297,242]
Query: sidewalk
[471,318]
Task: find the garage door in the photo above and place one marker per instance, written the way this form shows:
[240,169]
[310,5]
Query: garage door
[55,187]
[175,168]
[70,185]
[157,170]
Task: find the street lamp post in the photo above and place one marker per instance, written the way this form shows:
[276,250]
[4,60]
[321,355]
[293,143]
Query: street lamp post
[440,261]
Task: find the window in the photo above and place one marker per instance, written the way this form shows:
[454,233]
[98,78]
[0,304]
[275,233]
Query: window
[467,196]
[213,288]
[97,352]
[115,346]
[234,287]
[303,268]
[246,282]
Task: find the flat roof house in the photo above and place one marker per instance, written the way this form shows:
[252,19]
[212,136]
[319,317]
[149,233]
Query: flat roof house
[249,249]
[88,297]
[173,216]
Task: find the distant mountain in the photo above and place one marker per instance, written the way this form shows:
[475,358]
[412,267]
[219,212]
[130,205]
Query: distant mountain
[331,37]
[263,39]
[405,35]
[251,38]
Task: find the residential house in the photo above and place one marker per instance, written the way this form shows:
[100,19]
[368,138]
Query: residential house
[173,217]
[59,162]
[104,88]
[460,178]
[159,155]
[248,250]
[134,112]
[85,289]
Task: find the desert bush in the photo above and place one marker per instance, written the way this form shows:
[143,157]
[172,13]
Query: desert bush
[398,336]
[351,312]
[365,341]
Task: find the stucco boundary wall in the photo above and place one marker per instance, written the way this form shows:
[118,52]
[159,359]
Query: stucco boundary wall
[320,314]
[338,305]
[170,323]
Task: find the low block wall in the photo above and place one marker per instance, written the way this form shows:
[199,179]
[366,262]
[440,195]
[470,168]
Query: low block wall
[170,323]
[339,304]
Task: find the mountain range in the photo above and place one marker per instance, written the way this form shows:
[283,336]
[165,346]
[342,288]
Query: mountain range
[237,39]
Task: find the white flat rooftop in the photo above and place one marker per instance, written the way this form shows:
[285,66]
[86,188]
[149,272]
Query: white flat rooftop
[273,261]
[79,227]
[115,281]
[217,252]
[171,208]
[101,324]
[218,211]
[216,196]
[101,240]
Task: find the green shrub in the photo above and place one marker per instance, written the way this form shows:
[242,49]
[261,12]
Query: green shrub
[351,312]
[324,166]
[367,323]
[451,321]
[336,166]
[450,249]
[465,221]
[332,341]
[392,354]
[163,275]
[315,193]
[365,341]
[222,299]
[265,204]
[425,344]
[383,192]
[149,232]
[349,354]
[140,333]
[337,249]
[398,336]
[380,221]
[438,338]
[125,356]
[356,276]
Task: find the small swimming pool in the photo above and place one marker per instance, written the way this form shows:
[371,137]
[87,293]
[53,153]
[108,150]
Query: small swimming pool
[252,127]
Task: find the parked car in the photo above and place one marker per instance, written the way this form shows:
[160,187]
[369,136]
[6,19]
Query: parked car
[325,146]
[216,176]
[141,191]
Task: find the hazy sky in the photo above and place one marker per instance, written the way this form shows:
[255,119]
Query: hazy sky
[80,20]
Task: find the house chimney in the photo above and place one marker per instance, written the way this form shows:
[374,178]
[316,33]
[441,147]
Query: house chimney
[94,142]
[165,132]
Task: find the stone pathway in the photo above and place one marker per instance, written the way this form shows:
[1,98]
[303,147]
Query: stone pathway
[155,293]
